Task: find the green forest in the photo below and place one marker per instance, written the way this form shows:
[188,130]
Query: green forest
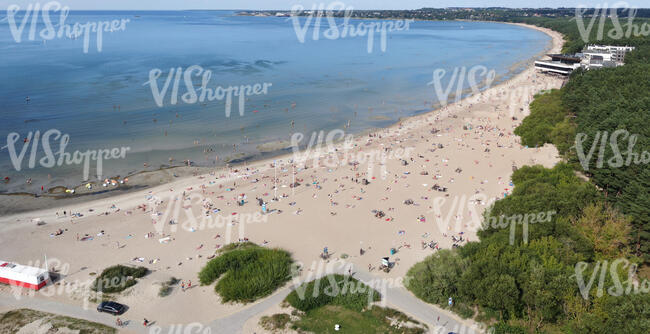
[577,271]
[595,103]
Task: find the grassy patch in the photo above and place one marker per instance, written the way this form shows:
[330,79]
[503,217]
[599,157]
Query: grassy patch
[333,290]
[343,300]
[12,321]
[247,272]
[275,322]
[374,320]
[236,245]
[118,278]
[166,287]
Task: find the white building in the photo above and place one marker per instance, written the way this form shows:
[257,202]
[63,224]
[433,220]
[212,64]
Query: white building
[25,276]
[592,57]
[560,64]
[555,67]
[611,53]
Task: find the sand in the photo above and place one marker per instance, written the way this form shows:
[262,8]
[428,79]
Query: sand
[331,207]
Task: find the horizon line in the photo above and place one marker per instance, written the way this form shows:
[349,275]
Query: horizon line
[306,8]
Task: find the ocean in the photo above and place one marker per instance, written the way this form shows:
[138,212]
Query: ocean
[101,96]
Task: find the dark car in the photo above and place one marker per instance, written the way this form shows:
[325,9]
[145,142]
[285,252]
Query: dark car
[111,307]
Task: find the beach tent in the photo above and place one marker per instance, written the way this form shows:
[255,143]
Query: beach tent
[25,276]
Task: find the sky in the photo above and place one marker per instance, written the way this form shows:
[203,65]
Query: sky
[287,4]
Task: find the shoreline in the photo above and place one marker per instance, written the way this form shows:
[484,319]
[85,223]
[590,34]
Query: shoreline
[144,180]
[261,162]
[329,208]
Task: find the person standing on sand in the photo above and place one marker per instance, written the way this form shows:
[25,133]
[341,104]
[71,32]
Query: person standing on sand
[183,286]
[145,322]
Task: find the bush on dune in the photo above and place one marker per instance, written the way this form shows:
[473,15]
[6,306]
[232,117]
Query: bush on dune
[248,273]
[435,278]
[333,290]
[118,278]
[546,113]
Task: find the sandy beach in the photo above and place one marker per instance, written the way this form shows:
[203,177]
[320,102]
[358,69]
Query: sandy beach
[460,156]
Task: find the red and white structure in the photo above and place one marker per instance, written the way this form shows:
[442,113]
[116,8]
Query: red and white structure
[24,276]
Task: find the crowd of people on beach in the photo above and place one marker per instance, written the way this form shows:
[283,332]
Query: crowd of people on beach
[458,150]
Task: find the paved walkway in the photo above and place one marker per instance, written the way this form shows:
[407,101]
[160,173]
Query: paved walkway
[394,295]
[8,302]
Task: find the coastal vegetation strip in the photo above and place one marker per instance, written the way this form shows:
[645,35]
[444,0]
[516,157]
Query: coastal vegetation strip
[601,227]
[598,121]
[535,286]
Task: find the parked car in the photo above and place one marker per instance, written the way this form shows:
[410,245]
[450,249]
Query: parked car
[111,307]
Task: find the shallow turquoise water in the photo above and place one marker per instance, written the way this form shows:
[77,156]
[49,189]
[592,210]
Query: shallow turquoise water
[100,98]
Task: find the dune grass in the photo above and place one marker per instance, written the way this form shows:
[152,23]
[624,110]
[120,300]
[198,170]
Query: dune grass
[247,272]
[167,287]
[333,290]
[276,322]
[374,320]
[13,321]
[118,278]
[344,301]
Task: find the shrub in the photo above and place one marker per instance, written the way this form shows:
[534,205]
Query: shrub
[546,113]
[504,328]
[249,272]
[275,322]
[435,279]
[463,310]
[166,287]
[335,290]
[118,278]
[165,290]
[236,245]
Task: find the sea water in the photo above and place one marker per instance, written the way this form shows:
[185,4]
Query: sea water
[100,97]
